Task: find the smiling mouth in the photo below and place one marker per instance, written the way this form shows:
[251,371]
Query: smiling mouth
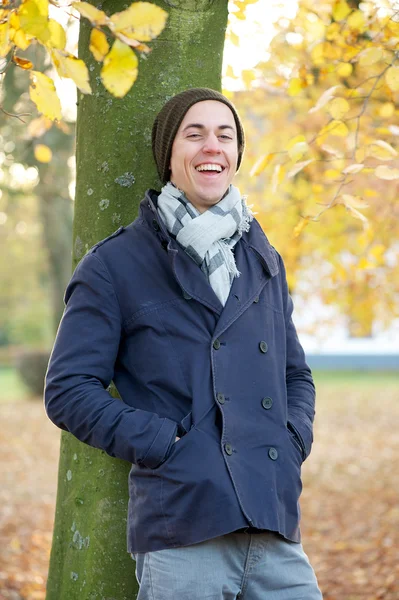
[210,169]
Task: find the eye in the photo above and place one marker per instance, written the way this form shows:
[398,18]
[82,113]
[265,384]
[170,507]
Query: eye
[226,137]
[194,135]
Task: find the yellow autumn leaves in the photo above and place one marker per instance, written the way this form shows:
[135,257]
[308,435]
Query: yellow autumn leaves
[19,27]
[341,81]
[99,46]
[42,93]
[141,22]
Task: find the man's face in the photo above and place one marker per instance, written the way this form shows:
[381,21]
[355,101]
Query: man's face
[204,153]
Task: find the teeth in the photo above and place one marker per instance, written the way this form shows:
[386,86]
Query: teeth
[209,167]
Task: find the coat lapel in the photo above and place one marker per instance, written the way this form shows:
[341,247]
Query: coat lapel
[191,279]
[188,275]
[257,263]
[256,260]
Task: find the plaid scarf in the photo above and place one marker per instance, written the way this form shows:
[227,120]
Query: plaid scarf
[208,238]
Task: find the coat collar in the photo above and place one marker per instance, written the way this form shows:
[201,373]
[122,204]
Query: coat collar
[189,276]
[194,282]
[254,238]
[258,242]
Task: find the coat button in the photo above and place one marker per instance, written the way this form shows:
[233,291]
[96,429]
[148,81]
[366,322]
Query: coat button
[216,344]
[228,448]
[186,296]
[155,225]
[220,398]
[273,453]
[256,299]
[267,403]
[263,347]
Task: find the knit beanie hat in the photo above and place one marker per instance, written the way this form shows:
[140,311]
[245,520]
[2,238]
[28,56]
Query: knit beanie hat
[169,119]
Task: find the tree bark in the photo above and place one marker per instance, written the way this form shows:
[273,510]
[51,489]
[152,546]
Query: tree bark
[89,560]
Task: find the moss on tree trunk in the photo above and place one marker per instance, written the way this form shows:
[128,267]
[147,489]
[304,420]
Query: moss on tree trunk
[89,560]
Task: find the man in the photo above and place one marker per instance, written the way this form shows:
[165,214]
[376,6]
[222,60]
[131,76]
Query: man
[187,310]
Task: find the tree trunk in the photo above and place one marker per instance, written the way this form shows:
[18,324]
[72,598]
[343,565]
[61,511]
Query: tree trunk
[89,560]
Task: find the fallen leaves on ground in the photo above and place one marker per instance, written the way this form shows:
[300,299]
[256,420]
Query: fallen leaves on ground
[29,448]
[350,512]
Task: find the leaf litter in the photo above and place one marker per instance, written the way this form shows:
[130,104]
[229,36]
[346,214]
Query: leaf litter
[350,510]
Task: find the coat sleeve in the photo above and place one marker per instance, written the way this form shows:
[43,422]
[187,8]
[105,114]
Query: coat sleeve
[81,367]
[299,381]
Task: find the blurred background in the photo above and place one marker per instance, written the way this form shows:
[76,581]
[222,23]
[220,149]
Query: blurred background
[338,233]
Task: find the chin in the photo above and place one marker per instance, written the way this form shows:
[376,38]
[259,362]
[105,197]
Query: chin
[213,196]
[211,200]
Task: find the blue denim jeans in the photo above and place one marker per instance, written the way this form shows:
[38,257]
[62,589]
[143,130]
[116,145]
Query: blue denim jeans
[242,566]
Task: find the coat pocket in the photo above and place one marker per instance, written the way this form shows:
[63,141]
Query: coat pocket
[295,441]
[185,425]
[178,445]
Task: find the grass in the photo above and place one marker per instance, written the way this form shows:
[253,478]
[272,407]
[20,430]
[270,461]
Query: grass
[11,386]
[13,389]
[362,379]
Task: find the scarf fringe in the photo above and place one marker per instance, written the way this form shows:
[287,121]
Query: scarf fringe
[229,259]
[247,217]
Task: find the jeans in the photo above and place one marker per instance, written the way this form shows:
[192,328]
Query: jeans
[242,566]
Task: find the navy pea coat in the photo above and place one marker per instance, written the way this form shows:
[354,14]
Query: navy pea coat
[232,381]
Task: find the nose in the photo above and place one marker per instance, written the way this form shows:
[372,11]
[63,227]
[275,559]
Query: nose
[212,144]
